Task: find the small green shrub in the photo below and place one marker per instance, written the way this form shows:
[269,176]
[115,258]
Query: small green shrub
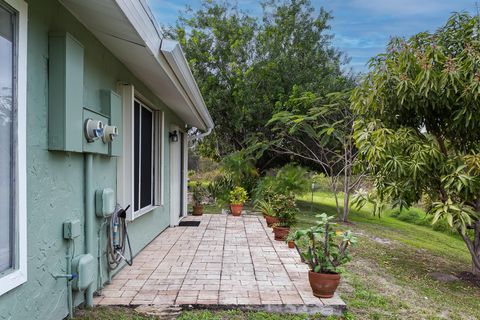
[198,193]
[219,189]
[285,209]
[238,196]
[265,207]
[292,178]
[289,178]
[239,167]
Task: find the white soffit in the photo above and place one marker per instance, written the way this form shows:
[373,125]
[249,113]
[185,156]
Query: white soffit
[128,30]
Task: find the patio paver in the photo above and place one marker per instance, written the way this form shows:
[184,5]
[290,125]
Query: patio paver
[226,261]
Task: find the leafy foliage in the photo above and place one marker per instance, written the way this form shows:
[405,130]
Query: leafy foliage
[265,207]
[219,189]
[288,179]
[362,197]
[284,208]
[320,132]
[239,167]
[238,196]
[243,64]
[198,194]
[323,248]
[420,111]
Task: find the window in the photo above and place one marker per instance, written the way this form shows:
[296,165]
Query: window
[7,147]
[143,168]
[13,27]
[140,168]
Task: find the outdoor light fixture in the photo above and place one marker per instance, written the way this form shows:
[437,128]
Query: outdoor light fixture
[173,136]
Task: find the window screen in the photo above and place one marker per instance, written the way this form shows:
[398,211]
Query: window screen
[143,157]
[7,138]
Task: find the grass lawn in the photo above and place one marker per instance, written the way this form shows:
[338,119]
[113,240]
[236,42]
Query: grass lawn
[388,278]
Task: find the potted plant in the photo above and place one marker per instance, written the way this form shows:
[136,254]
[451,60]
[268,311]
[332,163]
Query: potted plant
[266,208]
[285,210]
[238,196]
[291,240]
[325,250]
[198,195]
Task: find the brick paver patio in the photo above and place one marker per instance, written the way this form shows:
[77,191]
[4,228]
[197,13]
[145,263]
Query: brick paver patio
[226,261]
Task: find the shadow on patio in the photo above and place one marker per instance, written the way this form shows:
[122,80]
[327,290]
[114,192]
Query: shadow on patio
[226,262]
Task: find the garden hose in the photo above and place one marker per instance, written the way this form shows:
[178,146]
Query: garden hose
[118,239]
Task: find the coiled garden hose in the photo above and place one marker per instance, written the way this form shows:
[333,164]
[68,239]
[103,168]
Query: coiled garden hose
[118,239]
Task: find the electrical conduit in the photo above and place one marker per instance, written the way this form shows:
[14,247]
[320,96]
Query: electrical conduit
[89,219]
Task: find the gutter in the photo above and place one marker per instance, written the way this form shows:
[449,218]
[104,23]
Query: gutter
[173,54]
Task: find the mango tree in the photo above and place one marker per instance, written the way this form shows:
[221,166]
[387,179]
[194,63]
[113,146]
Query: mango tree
[419,135]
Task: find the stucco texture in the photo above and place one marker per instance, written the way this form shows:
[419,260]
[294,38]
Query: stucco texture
[55,180]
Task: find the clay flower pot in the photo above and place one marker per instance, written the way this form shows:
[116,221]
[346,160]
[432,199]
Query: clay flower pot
[236,209]
[323,284]
[197,210]
[271,220]
[291,244]
[281,233]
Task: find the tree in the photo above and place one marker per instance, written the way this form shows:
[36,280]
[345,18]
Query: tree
[418,134]
[246,67]
[319,130]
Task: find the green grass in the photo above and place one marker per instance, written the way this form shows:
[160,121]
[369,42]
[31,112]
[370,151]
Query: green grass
[241,315]
[111,313]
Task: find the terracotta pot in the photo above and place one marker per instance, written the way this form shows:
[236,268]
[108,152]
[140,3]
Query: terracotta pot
[236,209]
[323,284]
[291,244]
[197,210]
[271,220]
[281,233]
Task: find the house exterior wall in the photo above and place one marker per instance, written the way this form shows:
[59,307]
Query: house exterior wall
[55,180]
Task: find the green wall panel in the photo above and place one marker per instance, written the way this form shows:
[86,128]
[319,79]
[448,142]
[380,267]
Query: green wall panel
[65,91]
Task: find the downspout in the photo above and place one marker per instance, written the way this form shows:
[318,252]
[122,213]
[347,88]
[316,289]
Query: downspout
[89,218]
[202,135]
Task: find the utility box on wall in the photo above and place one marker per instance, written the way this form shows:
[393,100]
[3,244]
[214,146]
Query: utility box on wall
[65,92]
[84,267]
[97,146]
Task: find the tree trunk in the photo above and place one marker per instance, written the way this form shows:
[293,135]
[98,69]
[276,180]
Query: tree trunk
[333,187]
[346,185]
[476,248]
[346,199]
[335,193]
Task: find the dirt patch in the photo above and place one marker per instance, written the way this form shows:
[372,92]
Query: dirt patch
[470,278]
[443,277]
[381,240]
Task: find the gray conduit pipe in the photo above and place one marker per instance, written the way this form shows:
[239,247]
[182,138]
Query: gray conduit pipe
[69,281]
[89,219]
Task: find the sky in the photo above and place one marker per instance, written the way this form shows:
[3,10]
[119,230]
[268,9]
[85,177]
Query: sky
[361,28]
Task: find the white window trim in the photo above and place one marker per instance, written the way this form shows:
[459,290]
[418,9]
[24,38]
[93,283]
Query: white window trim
[19,274]
[125,163]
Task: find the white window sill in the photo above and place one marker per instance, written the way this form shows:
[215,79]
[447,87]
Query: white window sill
[12,280]
[137,214]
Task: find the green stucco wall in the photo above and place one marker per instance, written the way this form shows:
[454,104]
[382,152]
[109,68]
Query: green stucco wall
[55,179]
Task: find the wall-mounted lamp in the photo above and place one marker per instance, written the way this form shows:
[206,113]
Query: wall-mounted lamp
[173,136]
